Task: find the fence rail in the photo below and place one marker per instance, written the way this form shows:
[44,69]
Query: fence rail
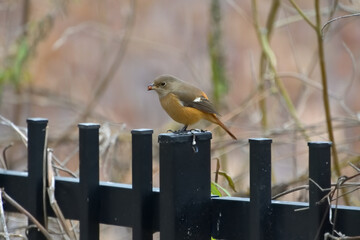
[183,208]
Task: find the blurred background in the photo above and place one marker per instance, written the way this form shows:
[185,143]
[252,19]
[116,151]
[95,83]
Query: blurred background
[258,61]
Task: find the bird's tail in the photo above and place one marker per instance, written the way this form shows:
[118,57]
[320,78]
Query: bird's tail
[217,121]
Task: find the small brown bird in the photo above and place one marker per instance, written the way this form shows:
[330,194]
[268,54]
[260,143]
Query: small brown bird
[184,102]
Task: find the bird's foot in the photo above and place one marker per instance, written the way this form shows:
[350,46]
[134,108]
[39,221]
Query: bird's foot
[176,131]
[196,130]
[180,131]
[184,131]
[191,131]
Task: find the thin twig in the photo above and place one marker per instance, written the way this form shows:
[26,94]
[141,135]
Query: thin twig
[4,162]
[217,170]
[330,236]
[71,173]
[264,42]
[105,81]
[53,203]
[336,19]
[14,235]
[7,122]
[290,191]
[302,14]
[2,218]
[264,61]
[45,217]
[15,204]
[326,94]
[353,166]
[354,69]
[238,10]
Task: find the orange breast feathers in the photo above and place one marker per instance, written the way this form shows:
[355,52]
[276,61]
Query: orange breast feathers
[177,111]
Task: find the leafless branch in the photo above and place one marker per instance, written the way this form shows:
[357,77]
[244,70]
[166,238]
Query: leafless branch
[15,204]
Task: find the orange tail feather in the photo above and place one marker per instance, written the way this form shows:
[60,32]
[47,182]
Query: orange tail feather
[214,119]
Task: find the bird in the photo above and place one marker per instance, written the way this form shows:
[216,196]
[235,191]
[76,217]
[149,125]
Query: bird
[184,102]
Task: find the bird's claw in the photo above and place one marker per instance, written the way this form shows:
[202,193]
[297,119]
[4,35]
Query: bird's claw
[192,131]
[178,131]
[181,131]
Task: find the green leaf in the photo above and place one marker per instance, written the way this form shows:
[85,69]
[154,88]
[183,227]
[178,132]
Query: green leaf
[228,179]
[215,190]
[217,186]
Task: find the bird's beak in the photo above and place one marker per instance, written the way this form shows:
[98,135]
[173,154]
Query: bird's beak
[151,87]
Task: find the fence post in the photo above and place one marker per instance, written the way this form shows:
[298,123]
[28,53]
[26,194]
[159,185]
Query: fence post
[260,188]
[142,183]
[320,173]
[36,173]
[89,181]
[185,186]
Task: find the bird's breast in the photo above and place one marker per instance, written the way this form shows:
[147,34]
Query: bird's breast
[177,111]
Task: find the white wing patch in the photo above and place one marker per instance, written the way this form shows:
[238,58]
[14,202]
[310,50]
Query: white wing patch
[198,99]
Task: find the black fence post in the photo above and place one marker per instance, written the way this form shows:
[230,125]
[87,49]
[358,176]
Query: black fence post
[260,189]
[142,183]
[89,181]
[185,186]
[320,174]
[36,171]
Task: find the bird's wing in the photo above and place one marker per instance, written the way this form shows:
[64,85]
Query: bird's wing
[203,104]
[195,98]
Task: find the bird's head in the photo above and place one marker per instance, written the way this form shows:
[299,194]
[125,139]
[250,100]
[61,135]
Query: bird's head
[164,85]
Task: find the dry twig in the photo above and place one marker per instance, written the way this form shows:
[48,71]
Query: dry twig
[15,204]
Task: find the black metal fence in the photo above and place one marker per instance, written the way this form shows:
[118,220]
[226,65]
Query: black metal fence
[183,208]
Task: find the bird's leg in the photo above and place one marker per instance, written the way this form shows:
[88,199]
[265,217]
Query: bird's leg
[184,128]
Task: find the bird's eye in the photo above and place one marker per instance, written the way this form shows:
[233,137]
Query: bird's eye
[163,84]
